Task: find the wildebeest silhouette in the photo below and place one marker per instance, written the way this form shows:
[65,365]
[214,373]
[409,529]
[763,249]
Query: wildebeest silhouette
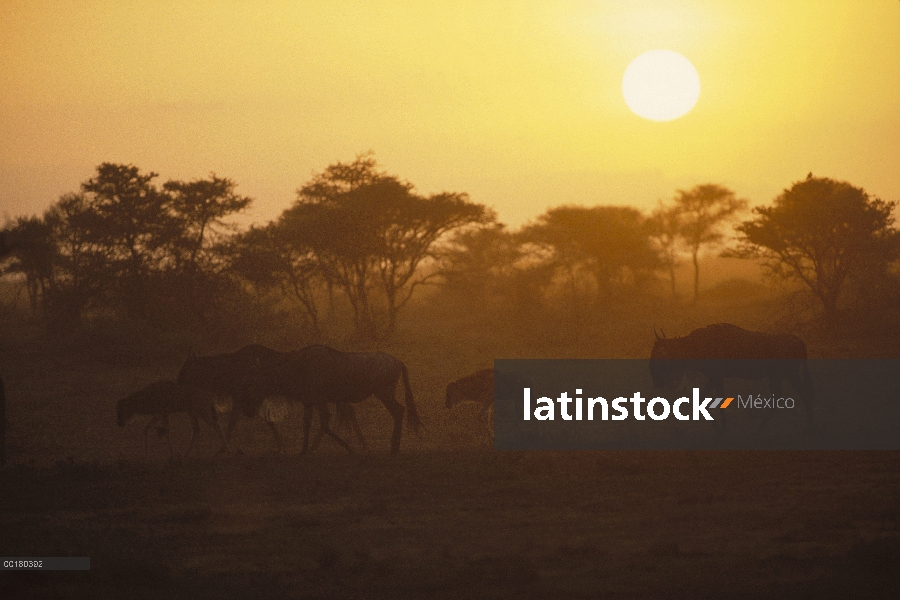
[6,247]
[227,375]
[478,388]
[724,351]
[163,398]
[481,387]
[237,376]
[2,424]
[318,375]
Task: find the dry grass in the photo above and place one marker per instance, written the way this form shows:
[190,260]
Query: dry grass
[456,524]
[448,517]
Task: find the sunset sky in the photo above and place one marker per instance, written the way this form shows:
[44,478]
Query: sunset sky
[517,103]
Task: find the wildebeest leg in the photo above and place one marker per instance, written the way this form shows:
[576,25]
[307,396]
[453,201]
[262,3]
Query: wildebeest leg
[277,436]
[319,434]
[351,416]
[211,418]
[324,417]
[396,410]
[345,414]
[195,429]
[307,424]
[150,423]
[232,421]
[214,423]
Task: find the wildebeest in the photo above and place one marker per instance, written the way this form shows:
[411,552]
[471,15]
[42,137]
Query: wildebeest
[2,424]
[480,388]
[241,376]
[6,247]
[163,398]
[724,351]
[477,387]
[227,375]
[318,375]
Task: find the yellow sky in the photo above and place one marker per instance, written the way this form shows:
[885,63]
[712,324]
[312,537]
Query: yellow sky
[518,103]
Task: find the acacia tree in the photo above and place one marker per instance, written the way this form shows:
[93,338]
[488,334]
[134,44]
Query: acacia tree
[480,259]
[198,209]
[122,242]
[822,233]
[369,231]
[277,257]
[134,224]
[29,251]
[665,231]
[408,239]
[703,210]
[67,256]
[611,243]
[62,258]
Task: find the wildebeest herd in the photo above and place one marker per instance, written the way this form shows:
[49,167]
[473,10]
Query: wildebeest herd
[319,376]
[315,377]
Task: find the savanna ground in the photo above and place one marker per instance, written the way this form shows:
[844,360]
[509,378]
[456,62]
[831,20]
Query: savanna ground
[446,518]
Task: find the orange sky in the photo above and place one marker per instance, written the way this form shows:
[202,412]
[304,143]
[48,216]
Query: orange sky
[518,103]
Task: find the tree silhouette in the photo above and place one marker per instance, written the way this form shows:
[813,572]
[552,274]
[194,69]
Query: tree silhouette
[480,259]
[31,236]
[277,257]
[6,247]
[369,231]
[822,233]
[341,227]
[702,211]
[80,274]
[198,209]
[135,222]
[665,230]
[611,243]
[123,243]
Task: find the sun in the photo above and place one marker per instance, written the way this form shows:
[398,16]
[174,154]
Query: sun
[661,85]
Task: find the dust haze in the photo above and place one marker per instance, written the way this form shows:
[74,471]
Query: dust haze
[97,304]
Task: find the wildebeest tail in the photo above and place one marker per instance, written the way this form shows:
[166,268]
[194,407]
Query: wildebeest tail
[412,418]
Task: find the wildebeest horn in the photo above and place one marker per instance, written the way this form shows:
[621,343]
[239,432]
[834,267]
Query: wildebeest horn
[664,333]
[655,334]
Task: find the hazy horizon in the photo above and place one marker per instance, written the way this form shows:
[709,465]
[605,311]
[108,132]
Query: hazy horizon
[519,105]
